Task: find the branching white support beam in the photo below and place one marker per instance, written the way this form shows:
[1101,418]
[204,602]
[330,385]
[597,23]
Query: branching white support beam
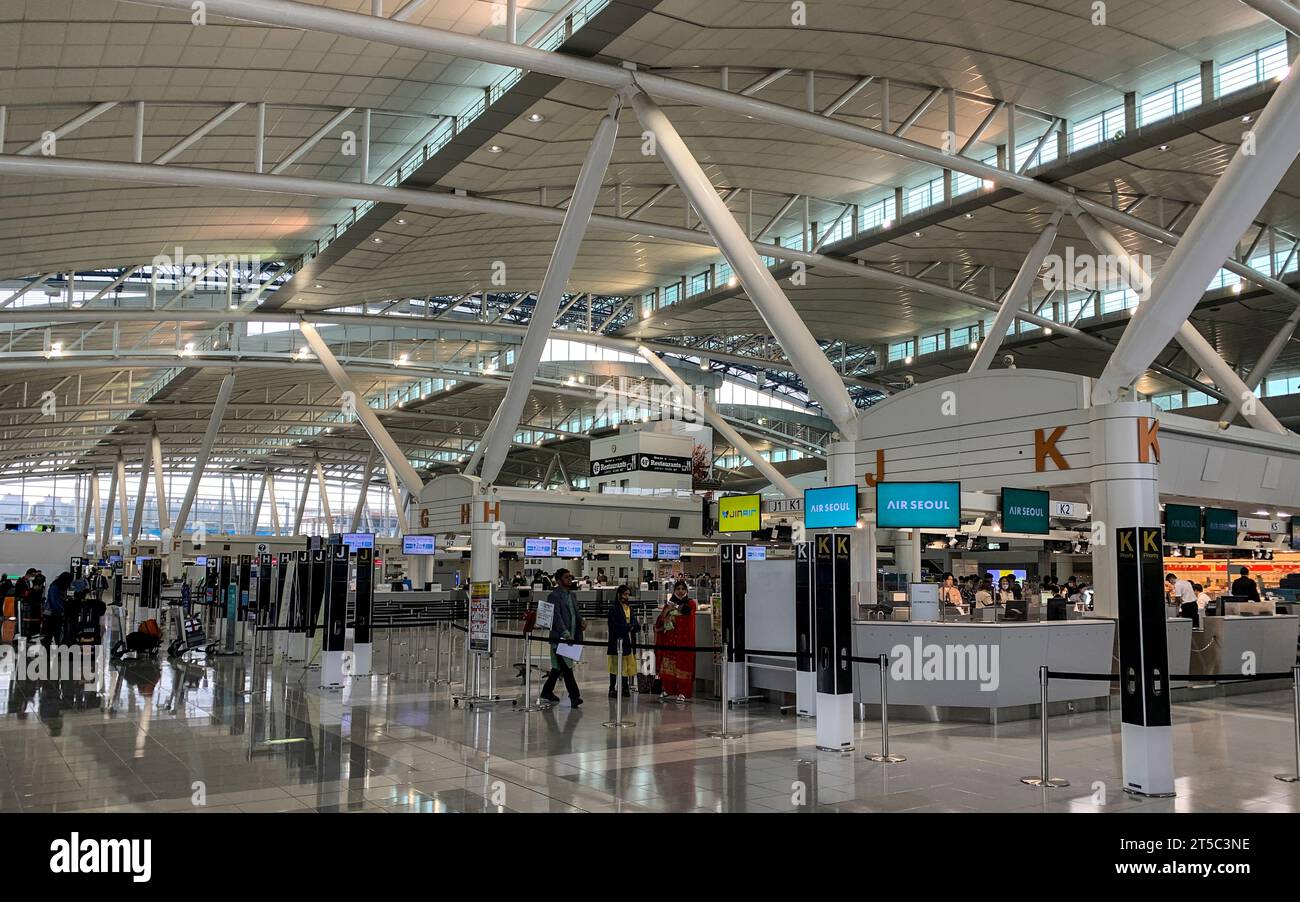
[375,429]
[500,433]
[1236,198]
[257,508]
[324,493]
[365,487]
[778,216]
[982,127]
[275,506]
[92,508]
[109,503]
[137,139]
[399,501]
[159,482]
[115,284]
[654,198]
[205,452]
[31,286]
[1280,11]
[70,126]
[512,21]
[119,468]
[564,473]
[199,134]
[1038,148]
[1187,335]
[302,503]
[917,113]
[725,429]
[853,91]
[410,9]
[137,521]
[824,384]
[1265,362]
[1017,294]
[763,82]
[311,142]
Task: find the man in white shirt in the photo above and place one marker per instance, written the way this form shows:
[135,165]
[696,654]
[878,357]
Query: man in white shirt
[1183,593]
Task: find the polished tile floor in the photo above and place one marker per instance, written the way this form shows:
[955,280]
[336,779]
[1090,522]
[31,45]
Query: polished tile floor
[228,736]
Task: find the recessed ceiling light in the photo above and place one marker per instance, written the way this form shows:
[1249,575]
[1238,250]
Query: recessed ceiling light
[916,234]
[970,215]
[1247,118]
[318,286]
[1164,146]
[495,148]
[907,360]
[377,240]
[536,117]
[401,222]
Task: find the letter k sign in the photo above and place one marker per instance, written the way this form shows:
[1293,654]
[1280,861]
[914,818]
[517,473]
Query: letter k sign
[1045,447]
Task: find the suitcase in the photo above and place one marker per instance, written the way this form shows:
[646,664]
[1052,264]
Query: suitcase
[649,684]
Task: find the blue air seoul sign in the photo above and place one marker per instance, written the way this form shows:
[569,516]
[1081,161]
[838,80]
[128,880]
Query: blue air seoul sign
[911,505]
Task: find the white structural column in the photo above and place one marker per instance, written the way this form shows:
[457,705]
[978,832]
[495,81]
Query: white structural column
[92,510]
[1016,294]
[501,431]
[393,454]
[365,487]
[1265,362]
[137,521]
[107,532]
[119,468]
[201,460]
[275,507]
[1187,335]
[1280,11]
[716,420]
[302,501]
[399,501]
[824,384]
[160,485]
[257,508]
[1218,225]
[324,496]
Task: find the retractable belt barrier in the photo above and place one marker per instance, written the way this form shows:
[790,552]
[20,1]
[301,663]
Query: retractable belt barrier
[1044,778]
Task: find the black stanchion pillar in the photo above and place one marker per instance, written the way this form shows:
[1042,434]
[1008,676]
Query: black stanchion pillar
[150,589]
[805,631]
[298,596]
[732,583]
[361,639]
[1146,732]
[212,580]
[833,641]
[229,598]
[334,641]
[316,598]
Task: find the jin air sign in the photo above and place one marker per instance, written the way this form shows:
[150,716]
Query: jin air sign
[1025,510]
[1183,523]
[739,513]
[911,505]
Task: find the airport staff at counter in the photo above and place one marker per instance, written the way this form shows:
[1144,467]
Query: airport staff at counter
[1244,586]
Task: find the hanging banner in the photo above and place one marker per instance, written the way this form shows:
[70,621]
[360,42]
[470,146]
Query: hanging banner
[480,617]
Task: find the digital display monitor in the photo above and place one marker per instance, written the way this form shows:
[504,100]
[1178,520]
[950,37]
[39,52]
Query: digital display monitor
[1025,510]
[1182,523]
[643,551]
[1295,533]
[115,558]
[1019,575]
[538,548]
[568,548]
[201,561]
[833,507]
[755,553]
[1220,526]
[355,540]
[669,552]
[909,505]
[419,544]
[740,513]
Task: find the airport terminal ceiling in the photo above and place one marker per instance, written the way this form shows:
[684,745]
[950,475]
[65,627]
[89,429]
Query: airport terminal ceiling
[94,72]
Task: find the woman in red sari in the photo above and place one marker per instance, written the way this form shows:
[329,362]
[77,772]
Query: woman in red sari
[675,626]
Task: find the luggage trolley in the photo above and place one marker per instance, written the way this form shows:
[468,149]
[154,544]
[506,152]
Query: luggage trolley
[189,632]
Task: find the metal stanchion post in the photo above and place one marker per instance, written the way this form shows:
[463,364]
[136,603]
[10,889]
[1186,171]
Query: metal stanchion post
[884,757]
[389,627]
[1294,777]
[725,732]
[528,681]
[1043,779]
[618,722]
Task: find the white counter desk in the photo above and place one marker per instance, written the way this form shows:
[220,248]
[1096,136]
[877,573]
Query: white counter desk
[1006,691]
[1224,644]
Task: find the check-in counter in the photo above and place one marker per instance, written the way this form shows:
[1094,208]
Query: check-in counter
[1178,637]
[1224,644]
[998,663]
